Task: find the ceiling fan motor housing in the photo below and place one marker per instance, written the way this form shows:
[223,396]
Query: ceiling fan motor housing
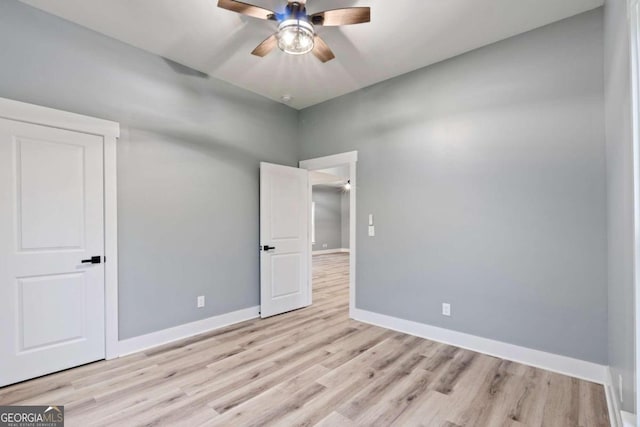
[295,10]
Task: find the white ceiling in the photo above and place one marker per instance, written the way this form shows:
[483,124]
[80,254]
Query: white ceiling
[403,36]
[325,179]
[332,177]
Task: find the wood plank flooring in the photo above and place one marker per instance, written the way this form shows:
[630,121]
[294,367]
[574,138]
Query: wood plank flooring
[314,367]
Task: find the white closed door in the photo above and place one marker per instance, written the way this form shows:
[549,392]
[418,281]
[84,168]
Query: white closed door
[284,239]
[51,220]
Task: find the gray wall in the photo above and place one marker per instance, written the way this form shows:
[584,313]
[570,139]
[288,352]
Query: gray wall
[493,197]
[187,162]
[345,200]
[620,198]
[328,217]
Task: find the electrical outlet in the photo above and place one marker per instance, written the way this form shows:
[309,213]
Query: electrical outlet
[324,245]
[200,301]
[620,387]
[446,309]
[372,231]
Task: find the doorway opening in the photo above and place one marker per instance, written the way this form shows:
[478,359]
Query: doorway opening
[330,236]
[332,182]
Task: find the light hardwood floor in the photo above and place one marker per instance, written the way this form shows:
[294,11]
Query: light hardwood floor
[314,367]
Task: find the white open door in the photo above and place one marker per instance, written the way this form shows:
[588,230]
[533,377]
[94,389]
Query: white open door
[51,225]
[284,239]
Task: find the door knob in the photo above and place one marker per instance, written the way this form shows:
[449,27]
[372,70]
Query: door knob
[268,248]
[93,260]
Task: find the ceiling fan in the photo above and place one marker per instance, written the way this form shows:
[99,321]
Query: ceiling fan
[296,34]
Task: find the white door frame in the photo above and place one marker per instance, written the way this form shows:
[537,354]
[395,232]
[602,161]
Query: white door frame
[109,131]
[634,45]
[350,158]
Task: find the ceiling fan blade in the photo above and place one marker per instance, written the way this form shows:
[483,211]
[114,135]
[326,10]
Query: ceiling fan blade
[246,9]
[266,46]
[321,50]
[348,16]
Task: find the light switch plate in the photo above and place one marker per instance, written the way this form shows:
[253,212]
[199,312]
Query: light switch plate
[200,301]
[372,231]
[370,219]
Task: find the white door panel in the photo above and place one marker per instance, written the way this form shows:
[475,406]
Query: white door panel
[51,218]
[40,298]
[284,225]
[49,179]
[285,271]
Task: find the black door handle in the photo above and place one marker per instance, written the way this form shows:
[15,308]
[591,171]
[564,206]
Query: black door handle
[268,248]
[93,260]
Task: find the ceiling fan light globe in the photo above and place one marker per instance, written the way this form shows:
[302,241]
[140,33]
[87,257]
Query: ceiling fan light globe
[287,38]
[295,37]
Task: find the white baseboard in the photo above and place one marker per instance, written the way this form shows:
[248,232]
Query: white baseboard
[165,336]
[628,419]
[331,251]
[613,405]
[552,362]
